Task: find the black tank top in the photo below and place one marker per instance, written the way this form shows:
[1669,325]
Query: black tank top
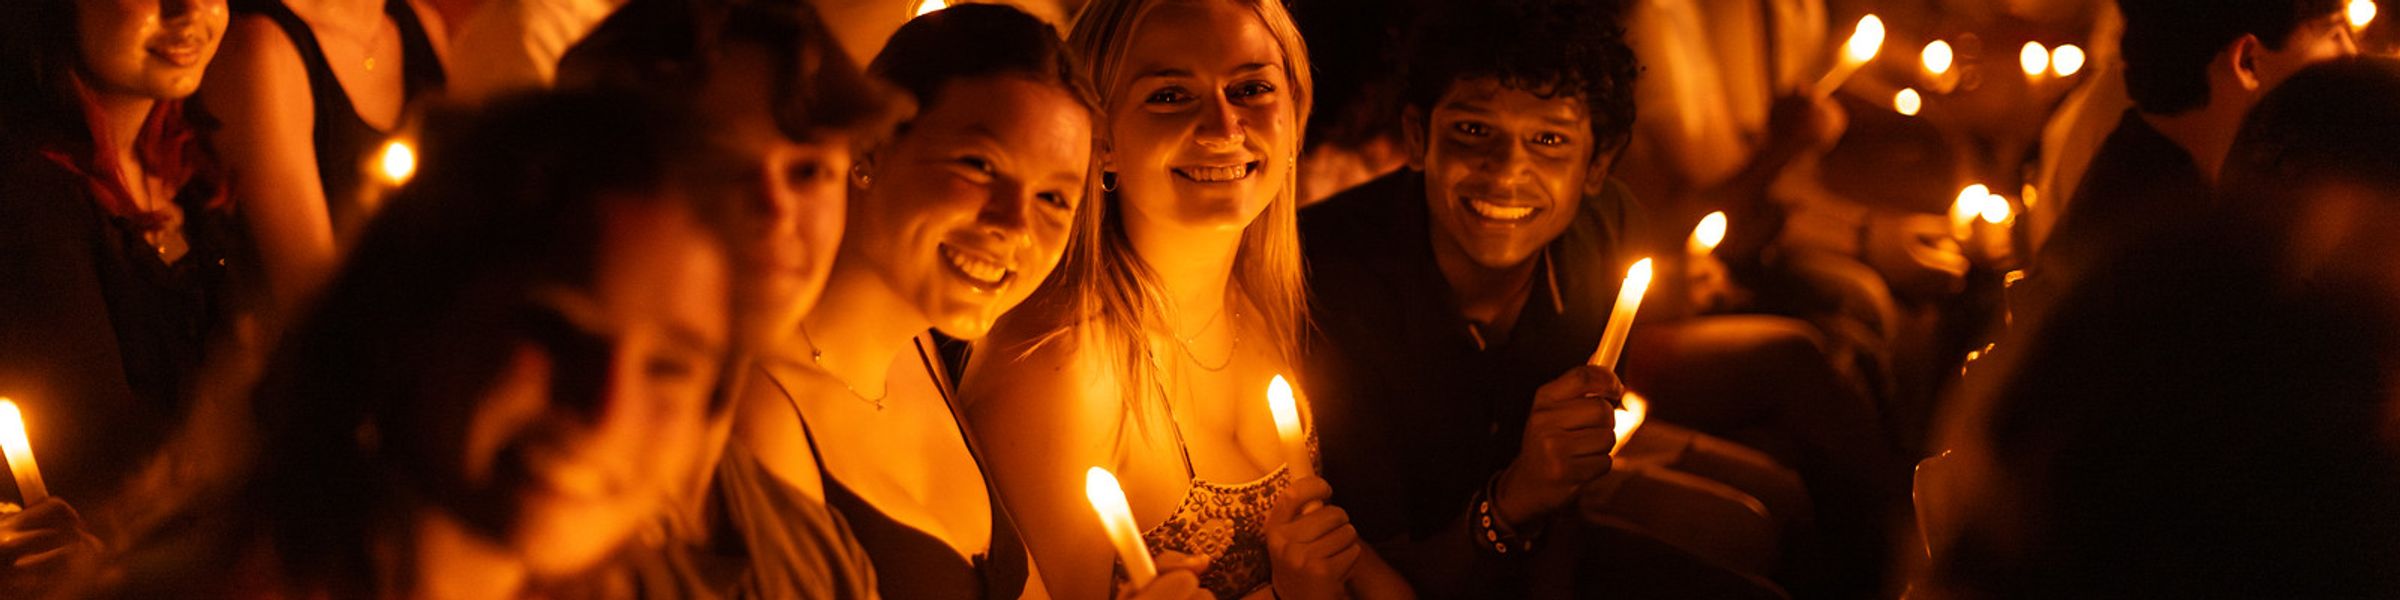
[911,564]
[342,139]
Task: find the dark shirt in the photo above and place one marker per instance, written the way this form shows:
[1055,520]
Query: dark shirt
[1413,415]
[2140,184]
[343,140]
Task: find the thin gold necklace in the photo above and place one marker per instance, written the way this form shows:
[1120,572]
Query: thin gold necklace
[817,357]
[1186,343]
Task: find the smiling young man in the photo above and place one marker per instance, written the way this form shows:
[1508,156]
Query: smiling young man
[1457,301]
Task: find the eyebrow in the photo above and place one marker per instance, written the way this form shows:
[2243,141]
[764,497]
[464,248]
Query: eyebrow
[1244,68]
[1479,110]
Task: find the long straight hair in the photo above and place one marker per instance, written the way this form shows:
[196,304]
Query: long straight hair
[1104,289]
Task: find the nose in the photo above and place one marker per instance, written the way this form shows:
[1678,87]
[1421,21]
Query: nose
[1221,127]
[172,10]
[1008,215]
[1508,161]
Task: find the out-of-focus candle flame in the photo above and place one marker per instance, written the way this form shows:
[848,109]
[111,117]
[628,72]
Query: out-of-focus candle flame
[1709,233]
[1865,41]
[2034,58]
[1629,419]
[1908,102]
[2066,60]
[928,6]
[1968,206]
[2030,195]
[1287,428]
[2360,12]
[1620,318]
[1994,210]
[19,451]
[397,162]
[1937,57]
[1108,499]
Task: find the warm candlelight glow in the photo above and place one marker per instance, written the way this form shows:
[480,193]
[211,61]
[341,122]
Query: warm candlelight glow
[20,454]
[1937,57]
[2030,195]
[398,162]
[1865,41]
[1620,319]
[2361,12]
[1968,206]
[1908,102]
[1708,234]
[1287,428]
[1108,499]
[2066,60]
[2034,58]
[1995,209]
[929,6]
[1629,419]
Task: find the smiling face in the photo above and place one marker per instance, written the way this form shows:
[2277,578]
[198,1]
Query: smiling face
[790,193]
[1505,169]
[969,208]
[1203,125]
[599,407]
[148,48]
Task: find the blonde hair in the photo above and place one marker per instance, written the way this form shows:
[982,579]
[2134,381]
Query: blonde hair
[1103,289]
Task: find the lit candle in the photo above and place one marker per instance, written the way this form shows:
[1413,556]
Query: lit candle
[20,454]
[1108,499]
[2361,12]
[2034,58]
[1861,47]
[2066,60]
[1707,235]
[1629,419]
[1966,208]
[397,163]
[1908,102]
[1620,320]
[929,6]
[1937,57]
[1287,427]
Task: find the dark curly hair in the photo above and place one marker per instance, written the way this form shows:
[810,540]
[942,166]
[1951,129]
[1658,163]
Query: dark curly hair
[976,40]
[1547,47]
[2169,43]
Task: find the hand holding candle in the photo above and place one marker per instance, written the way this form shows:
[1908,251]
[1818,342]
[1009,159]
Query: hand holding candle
[1108,499]
[1287,428]
[1862,46]
[1620,320]
[20,454]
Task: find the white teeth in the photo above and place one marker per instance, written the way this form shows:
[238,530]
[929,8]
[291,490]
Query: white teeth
[1499,213]
[1215,174]
[983,271]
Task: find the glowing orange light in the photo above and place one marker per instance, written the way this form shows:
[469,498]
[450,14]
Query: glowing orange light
[1708,234]
[2361,12]
[1908,102]
[1629,419]
[928,6]
[1620,319]
[397,162]
[1116,518]
[2034,58]
[19,451]
[1287,427]
[2066,60]
[1937,57]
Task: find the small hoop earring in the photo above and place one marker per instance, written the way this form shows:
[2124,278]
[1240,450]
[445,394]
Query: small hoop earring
[1108,181]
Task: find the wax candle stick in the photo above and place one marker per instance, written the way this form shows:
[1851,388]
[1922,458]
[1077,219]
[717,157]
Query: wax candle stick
[1287,427]
[1108,499]
[1862,46]
[20,454]
[1620,320]
[1706,235]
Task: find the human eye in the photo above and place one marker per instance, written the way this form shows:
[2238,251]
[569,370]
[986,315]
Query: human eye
[1475,129]
[1251,89]
[1168,96]
[1552,139]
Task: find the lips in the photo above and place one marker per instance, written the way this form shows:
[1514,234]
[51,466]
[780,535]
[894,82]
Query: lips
[976,267]
[1218,173]
[549,466]
[1499,212]
[179,49]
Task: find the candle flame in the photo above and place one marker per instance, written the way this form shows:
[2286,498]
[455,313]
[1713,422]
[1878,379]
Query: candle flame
[2034,58]
[2030,195]
[1866,40]
[19,452]
[398,162]
[1638,277]
[1969,205]
[2066,60]
[1995,209]
[1938,56]
[2360,13]
[928,6]
[1908,102]
[1629,419]
[1107,497]
[1286,410]
[1709,233]
[1116,518]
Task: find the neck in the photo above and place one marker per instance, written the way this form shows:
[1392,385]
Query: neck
[337,9]
[448,560]
[858,326]
[1484,294]
[2205,133]
[1193,266]
[125,115]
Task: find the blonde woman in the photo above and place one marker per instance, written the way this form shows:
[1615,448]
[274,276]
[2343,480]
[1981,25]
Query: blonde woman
[1150,351]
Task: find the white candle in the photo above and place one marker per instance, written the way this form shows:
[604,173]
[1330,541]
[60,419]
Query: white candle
[1861,47]
[1108,499]
[1706,235]
[1287,427]
[1629,419]
[1620,320]
[20,453]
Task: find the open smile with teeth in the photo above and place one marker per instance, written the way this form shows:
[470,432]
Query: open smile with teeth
[1498,212]
[974,267]
[1219,174]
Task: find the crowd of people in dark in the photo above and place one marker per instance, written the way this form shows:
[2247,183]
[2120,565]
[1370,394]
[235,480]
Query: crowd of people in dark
[469,299]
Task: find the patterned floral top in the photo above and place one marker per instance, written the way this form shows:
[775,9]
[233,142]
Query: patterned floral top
[1229,524]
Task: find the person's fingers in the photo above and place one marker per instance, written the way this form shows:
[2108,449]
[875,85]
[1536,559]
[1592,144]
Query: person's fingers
[1579,382]
[1315,525]
[1581,416]
[1177,561]
[1176,585]
[1296,497]
[20,544]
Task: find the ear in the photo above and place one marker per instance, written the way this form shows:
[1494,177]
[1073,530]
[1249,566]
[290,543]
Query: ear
[1595,175]
[862,168]
[2241,60]
[1413,122]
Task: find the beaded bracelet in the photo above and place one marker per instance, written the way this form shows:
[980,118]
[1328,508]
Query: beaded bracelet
[1490,530]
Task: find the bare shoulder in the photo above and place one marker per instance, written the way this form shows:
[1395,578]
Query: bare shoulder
[254,44]
[437,28]
[765,420]
[257,75]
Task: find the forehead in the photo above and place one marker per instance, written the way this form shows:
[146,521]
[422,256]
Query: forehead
[1200,37]
[1488,96]
[659,264]
[1026,116]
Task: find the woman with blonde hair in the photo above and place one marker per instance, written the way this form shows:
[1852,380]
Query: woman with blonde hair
[1150,351]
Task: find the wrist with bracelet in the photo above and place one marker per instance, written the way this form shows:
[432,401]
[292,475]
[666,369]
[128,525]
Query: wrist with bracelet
[1491,532]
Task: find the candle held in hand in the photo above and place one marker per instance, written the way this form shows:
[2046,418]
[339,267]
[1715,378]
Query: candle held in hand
[1287,427]
[20,454]
[1620,320]
[1706,235]
[1108,499]
[1862,46]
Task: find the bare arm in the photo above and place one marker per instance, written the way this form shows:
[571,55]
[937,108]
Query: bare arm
[259,88]
[1043,420]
